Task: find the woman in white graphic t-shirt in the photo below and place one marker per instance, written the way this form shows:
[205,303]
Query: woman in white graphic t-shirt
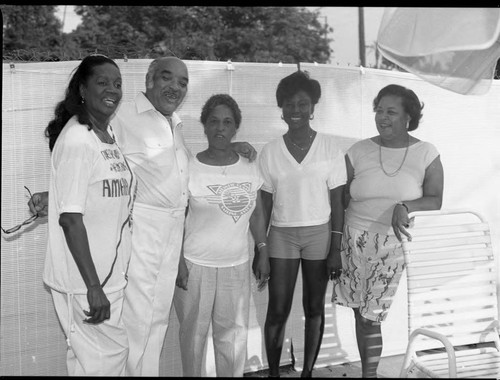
[213,282]
[89,226]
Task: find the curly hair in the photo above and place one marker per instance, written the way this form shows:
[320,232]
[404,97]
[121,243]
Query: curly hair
[72,103]
[411,104]
[217,100]
[298,81]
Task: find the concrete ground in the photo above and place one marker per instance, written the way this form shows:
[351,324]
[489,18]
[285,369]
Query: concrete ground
[389,367]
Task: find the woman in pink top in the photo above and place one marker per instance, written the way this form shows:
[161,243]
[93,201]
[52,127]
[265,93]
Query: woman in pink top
[388,176]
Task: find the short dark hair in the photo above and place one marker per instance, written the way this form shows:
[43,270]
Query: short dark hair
[293,83]
[218,100]
[411,104]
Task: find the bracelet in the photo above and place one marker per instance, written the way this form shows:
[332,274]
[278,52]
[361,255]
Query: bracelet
[337,232]
[405,206]
[260,245]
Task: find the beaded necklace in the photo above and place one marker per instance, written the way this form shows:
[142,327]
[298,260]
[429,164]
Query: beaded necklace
[302,149]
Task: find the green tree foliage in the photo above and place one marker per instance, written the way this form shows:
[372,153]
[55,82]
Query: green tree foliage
[256,34]
[33,32]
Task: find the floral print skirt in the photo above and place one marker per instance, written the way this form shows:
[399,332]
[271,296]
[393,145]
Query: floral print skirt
[372,265]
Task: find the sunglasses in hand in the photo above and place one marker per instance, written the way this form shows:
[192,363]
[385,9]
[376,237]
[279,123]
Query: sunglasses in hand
[26,222]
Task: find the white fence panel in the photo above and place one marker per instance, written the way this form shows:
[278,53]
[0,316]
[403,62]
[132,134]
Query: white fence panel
[465,129]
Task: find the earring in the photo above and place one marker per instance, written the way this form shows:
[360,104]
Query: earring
[83,100]
[311,117]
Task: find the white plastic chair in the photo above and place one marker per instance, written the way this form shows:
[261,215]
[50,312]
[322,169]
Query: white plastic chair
[452,297]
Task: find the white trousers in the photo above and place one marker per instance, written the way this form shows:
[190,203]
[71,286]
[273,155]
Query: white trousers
[156,245]
[93,350]
[219,296]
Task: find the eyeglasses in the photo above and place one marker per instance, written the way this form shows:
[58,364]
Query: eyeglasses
[27,221]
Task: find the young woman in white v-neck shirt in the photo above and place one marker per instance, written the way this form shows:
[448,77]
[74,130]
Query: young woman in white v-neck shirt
[304,176]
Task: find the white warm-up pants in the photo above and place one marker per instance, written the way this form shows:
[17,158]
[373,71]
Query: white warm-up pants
[93,349]
[156,246]
[221,297]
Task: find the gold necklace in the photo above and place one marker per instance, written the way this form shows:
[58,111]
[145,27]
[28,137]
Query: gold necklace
[102,134]
[105,137]
[225,162]
[394,173]
[302,149]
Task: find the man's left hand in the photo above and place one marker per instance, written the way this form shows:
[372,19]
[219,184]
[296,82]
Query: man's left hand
[245,149]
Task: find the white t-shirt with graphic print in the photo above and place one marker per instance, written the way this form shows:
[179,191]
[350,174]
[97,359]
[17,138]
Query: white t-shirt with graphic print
[221,201]
[301,192]
[92,178]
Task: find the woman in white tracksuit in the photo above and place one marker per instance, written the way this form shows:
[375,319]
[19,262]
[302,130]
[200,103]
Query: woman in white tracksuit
[89,226]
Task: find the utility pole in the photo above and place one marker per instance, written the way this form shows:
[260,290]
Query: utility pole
[361,31]
[325,35]
[63,37]
[64,17]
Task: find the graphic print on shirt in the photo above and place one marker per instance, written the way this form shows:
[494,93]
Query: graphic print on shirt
[234,199]
[118,187]
[115,187]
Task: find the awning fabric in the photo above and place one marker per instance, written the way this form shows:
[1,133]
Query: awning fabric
[453,48]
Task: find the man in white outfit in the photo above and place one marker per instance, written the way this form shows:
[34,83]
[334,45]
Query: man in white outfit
[148,132]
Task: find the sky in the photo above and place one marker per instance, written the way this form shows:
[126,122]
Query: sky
[345,44]
[343,20]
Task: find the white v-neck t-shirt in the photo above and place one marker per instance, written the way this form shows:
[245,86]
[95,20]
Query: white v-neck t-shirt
[301,191]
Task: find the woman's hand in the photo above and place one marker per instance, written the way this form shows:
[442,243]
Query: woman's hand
[334,264]
[334,260]
[244,149]
[432,199]
[99,306]
[400,221]
[75,233]
[39,203]
[262,268]
[182,274]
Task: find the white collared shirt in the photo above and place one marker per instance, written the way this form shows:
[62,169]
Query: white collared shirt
[156,152]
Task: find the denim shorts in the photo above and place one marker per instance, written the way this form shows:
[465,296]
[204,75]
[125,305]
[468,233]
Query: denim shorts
[309,242]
